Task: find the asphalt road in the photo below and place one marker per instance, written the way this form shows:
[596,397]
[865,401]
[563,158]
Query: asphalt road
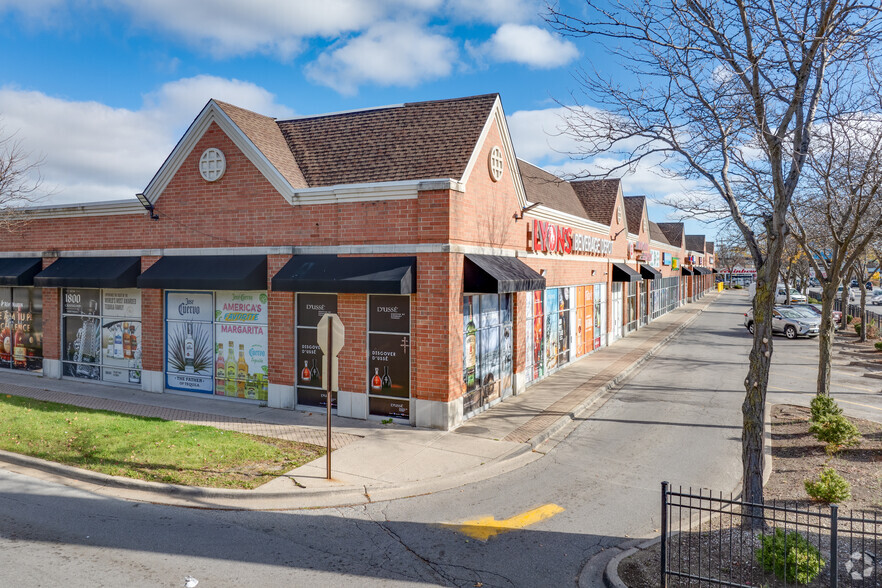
[677,419]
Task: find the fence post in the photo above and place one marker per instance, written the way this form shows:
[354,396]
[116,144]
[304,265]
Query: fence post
[664,533]
[834,545]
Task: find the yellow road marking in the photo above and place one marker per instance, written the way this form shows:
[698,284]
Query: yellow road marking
[487,527]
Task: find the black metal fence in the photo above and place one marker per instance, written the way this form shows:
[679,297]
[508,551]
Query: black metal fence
[855,310]
[711,540]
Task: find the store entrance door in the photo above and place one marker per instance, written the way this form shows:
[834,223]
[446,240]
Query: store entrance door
[616,303]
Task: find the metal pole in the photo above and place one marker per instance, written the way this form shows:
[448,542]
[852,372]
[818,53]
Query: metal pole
[834,545]
[664,533]
[330,374]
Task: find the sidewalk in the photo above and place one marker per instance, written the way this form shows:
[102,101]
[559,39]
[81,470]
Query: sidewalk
[371,461]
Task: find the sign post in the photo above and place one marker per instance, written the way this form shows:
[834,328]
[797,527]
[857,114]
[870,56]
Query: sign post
[330,338]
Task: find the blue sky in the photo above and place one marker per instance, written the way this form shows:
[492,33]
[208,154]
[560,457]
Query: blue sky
[101,91]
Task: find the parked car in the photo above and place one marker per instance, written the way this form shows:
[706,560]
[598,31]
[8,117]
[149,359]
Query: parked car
[796,297]
[814,310]
[789,321]
[854,284]
[877,296]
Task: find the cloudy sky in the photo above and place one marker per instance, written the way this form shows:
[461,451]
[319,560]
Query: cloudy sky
[100,91]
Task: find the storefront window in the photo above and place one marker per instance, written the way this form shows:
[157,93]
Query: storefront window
[536,336]
[216,342]
[102,334]
[487,349]
[310,309]
[388,378]
[632,307]
[21,335]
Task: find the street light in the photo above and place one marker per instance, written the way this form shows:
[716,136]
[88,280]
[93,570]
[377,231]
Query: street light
[147,206]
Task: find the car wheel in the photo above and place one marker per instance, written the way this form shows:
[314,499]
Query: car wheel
[750,328]
[790,331]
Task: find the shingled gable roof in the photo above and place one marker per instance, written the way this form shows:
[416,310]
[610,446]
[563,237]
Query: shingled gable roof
[266,136]
[695,242]
[598,198]
[674,232]
[634,212]
[656,233]
[422,140]
[550,190]
[709,247]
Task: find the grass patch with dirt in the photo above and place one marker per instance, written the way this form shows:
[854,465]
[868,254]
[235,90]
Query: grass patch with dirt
[146,448]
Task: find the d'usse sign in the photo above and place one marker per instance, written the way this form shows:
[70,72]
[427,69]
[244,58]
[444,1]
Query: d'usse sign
[551,238]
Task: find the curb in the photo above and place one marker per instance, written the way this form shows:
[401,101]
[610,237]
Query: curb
[583,406]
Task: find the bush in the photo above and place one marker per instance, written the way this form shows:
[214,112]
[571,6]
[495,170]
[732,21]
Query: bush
[878,345]
[848,319]
[824,406]
[829,487]
[857,327]
[737,287]
[872,331]
[813,300]
[790,557]
[836,431]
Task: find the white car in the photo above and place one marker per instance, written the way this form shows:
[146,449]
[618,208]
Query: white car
[796,297]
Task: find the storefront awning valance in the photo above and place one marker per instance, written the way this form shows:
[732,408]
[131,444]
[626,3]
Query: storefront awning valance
[494,274]
[624,273]
[687,271]
[715,271]
[649,273]
[347,275]
[19,271]
[206,272]
[703,271]
[90,272]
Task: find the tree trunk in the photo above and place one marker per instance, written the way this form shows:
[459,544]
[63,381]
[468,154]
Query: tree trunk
[753,409]
[863,286]
[825,339]
[844,302]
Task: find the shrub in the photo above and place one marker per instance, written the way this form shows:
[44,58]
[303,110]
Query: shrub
[848,319]
[737,287]
[836,431]
[872,330]
[857,327]
[829,487]
[878,345]
[790,557]
[824,406]
[813,300]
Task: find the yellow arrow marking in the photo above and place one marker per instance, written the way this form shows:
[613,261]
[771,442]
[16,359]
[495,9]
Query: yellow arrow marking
[486,527]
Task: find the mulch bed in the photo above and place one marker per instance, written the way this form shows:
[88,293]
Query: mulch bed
[796,456]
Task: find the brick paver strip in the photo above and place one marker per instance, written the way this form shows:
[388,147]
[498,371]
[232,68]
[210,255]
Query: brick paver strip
[568,403]
[315,436]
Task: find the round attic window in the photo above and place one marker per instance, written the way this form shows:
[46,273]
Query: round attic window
[212,164]
[495,163]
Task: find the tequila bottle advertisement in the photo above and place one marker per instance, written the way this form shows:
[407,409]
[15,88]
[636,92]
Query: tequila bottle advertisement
[538,336]
[241,336]
[82,347]
[121,336]
[190,357]
[310,309]
[21,329]
[551,319]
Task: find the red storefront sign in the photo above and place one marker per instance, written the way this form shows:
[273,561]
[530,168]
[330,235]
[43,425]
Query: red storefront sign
[547,237]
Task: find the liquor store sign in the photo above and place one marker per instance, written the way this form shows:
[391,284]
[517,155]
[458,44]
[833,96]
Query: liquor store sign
[547,237]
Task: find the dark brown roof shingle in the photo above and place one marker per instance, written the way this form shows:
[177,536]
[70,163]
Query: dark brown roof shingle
[695,242]
[550,190]
[423,140]
[598,197]
[656,233]
[634,212]
[674,232]
[709,247]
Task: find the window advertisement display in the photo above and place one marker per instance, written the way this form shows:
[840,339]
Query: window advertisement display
[563,326]
[81,339]
[599,313]
[388,378]
[310,309]
[551,329]
[189,347]
[242,339]
[21,334]
[538,332]
[487,349]
[121,336]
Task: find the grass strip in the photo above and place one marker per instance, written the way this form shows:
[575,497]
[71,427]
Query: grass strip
[146,448]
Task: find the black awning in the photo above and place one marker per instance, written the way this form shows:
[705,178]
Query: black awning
[499,275]
[703,271]
[19,271]
[624,273]
[347,275]
[90,272]
[687,271]
[206,272]
[714,271]
[649,273]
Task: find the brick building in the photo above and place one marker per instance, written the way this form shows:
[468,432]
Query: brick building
[461,274]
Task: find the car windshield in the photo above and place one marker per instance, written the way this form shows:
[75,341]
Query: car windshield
[806,312]
[792,313]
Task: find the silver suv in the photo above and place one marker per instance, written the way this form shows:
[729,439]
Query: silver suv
[789,321]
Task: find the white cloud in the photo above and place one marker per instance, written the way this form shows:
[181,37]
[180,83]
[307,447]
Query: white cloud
[529,45]
[389,54]
[538,135]
[494,11]
[91,151]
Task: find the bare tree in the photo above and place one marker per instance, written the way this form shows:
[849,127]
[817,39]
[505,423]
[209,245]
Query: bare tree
[20,182]
[838,211]
[726,94]
[731,252]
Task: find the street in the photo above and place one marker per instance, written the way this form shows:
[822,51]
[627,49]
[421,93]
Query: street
[677,419]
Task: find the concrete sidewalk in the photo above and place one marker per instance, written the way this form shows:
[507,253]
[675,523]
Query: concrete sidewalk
[371,461]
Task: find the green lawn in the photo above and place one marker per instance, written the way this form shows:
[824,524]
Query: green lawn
[145,448]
